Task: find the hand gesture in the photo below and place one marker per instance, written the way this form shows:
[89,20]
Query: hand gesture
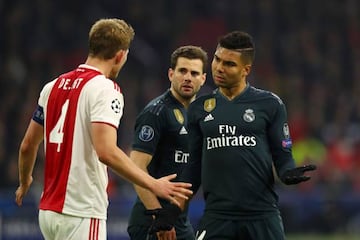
[296,175]
[169,190]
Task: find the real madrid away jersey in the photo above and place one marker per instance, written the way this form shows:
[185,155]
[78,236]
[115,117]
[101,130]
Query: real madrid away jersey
[160,131]
[75,180]
[233,147]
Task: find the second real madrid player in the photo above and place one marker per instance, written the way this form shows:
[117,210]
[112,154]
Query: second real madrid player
[160,143]
[237,136]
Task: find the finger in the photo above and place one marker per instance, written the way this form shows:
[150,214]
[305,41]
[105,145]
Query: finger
[171,176]
[181,191]
[182,184]
[18,201]
[181,195]
[18,198]
[310,167]
[174,201]
[296,180]
[305,168]
[304,178]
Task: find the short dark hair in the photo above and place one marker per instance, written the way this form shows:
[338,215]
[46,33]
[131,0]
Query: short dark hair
[241,42]
[190,52]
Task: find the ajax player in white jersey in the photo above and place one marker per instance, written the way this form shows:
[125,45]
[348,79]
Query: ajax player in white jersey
[77,117]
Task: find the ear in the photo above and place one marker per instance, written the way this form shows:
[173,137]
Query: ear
[170,74]
[120,56]
[203,79]
[247,69]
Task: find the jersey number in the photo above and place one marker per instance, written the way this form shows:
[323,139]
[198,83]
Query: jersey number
[57,133]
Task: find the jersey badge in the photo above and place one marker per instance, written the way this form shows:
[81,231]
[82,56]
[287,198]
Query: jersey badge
[200,236]
[116,105]
[249,115]
[146,133]
[209,104]
[286,131]
[178,115]
[209,117]
[183,131]
[287,143]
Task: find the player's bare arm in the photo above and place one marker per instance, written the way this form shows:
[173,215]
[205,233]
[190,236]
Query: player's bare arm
[149,199]
[104,139]
[27,156]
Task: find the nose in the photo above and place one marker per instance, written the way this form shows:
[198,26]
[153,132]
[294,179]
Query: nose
[187,76]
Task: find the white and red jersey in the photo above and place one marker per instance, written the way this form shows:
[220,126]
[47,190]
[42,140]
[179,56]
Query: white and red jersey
[75,180]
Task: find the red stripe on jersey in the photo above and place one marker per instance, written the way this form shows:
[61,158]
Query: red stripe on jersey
[117,87]
[106,124]
[59,132]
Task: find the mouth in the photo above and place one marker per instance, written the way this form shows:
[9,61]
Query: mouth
[219,78]
[187,88]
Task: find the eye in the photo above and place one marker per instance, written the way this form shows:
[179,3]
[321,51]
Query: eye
[195,73]
[183,70]
[229,64]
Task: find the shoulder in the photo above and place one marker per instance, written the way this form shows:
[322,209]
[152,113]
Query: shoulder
[100,88]
[45,92]
[48,86]
[265,95]
[101,82]
[157,105]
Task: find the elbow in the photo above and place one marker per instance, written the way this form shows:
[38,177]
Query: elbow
[105,156]
[26,147]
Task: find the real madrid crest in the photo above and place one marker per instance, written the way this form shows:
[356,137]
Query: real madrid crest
[249,115]
[178,115]
[209,104]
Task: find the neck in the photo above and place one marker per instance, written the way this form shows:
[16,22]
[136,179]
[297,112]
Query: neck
[184,101]
[232,92]
[103,65]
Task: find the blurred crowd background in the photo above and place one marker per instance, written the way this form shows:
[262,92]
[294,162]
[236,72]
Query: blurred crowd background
[307,52]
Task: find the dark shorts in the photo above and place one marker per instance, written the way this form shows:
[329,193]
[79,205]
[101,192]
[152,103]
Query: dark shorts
[268,228]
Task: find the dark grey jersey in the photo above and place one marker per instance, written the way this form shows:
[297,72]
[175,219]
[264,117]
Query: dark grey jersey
[233,147]
[160,131]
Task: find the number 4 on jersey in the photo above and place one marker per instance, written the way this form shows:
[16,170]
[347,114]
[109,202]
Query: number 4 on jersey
[57,134]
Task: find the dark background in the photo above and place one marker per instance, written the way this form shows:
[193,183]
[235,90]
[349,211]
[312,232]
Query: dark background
[308,53]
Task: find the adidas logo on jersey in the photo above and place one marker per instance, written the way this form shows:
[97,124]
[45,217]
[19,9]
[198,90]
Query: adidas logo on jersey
[183,131]
[209,117]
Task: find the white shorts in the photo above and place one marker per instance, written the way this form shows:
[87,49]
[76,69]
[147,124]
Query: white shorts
[56,226]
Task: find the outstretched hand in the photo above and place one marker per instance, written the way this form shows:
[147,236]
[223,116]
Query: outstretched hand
[170,190]
[296,175]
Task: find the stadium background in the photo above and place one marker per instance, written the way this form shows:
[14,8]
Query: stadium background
[308,52]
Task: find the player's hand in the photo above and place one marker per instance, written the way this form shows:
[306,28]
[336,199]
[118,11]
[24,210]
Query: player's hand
[296,175]
[166,235]
[164,218]
[21,192]
[170,190]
